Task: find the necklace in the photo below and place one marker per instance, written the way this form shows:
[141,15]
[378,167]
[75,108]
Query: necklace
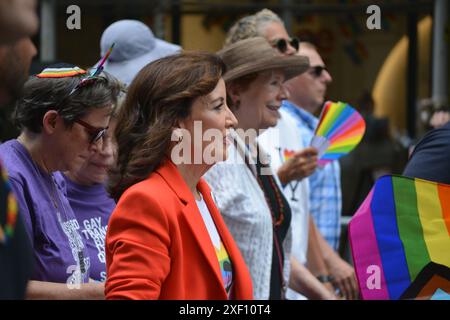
[276,223]
[276,191]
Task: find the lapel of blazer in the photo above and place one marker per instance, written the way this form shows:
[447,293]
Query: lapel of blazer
[169,172]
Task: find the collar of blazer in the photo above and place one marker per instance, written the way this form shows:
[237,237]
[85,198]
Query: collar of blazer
[169,172]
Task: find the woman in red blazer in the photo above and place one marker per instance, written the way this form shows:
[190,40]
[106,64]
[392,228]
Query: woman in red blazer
[166,238]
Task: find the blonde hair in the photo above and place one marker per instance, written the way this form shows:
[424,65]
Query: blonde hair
[251,26]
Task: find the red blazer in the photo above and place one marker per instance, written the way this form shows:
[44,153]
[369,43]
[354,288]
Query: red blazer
[158,247]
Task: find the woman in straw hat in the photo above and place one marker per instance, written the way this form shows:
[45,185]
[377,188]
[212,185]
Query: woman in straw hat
[248,193]
[312,256]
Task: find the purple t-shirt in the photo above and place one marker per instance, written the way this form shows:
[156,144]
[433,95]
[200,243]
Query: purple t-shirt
[93,207]
[60,252]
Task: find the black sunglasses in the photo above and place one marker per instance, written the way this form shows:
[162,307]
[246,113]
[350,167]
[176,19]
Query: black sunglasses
[316,71]
[95,133]
[282,44]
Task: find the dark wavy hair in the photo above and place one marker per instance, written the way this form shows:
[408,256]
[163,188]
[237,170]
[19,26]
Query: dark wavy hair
[161,94]
[43,94]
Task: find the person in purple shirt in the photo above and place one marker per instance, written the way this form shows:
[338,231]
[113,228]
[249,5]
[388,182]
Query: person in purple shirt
[62,123]
[85,189]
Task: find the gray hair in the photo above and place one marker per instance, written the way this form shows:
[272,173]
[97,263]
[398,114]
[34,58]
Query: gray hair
[120,101]
[251,26]
[43,94]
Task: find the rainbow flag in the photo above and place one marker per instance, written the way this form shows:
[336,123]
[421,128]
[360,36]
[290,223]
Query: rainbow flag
[400,240]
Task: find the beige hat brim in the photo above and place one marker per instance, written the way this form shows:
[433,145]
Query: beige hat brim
[291,66]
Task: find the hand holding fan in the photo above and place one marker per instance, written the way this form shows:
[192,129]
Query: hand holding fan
[339,131]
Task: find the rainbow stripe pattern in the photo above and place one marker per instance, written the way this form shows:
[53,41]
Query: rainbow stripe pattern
[400,240]
[338,132]
[9,206]
[60,72]
[225,267]
[287,154]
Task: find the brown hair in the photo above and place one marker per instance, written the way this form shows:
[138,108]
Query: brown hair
[161,94]
[43,94]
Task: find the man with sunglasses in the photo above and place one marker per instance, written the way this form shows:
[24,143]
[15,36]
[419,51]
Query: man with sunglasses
[307,93]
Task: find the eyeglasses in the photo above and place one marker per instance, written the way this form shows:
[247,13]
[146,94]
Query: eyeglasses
[316,71]
[282,44]
[95,133]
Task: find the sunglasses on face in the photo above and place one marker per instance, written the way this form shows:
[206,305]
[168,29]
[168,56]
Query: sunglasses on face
[95,133]
[316,71]
[282,44]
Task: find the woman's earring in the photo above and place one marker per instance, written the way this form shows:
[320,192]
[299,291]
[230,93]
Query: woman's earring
[177,136]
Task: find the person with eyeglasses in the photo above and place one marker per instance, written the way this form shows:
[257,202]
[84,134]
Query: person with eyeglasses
[61,123]
[307,95]
[85,188]
[265,24]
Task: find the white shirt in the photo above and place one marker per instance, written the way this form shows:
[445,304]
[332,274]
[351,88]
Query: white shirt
[209,223]
[285,137]
[244,208]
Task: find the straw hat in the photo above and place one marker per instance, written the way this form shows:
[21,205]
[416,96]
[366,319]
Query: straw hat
[256,54]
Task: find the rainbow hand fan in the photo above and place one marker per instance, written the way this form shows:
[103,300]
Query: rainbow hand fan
[339,131]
